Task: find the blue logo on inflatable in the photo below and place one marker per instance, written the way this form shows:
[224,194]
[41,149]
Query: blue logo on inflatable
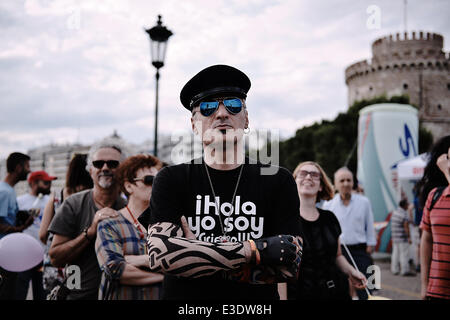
[408,141]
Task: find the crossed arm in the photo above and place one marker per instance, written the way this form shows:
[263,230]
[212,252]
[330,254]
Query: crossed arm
[172,253]
[127,269]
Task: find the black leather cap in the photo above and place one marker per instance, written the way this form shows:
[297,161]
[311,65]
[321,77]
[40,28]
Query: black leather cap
[214,81]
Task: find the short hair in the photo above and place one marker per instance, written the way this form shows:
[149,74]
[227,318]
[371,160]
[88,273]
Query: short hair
[104,144]
[127,169]
[327,192]
[403,203]
[343,169]
[15,159]
[77,175]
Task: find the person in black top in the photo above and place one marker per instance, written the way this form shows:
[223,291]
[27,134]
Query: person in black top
[324,270]
[223,226]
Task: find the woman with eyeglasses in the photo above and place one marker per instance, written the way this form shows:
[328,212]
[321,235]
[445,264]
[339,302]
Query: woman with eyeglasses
[121,242]
[324,272]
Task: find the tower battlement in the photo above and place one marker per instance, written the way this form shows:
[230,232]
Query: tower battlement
[408,46]
[402,51]
[434,39]
[412,64]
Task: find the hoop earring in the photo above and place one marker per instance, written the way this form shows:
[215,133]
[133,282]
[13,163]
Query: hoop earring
[247,130]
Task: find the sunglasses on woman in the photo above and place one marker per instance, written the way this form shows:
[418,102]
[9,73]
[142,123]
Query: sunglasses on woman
[233,106]
[314,175]
[112,164]
[147,180]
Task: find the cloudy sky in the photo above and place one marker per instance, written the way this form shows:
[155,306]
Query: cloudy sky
[75,70]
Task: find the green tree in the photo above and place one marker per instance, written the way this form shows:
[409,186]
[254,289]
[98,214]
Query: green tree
[425,139]
[333,143]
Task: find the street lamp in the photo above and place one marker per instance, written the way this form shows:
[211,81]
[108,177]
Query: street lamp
[159,35]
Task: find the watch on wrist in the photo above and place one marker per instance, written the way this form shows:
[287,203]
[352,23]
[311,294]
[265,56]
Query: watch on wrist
[85,231]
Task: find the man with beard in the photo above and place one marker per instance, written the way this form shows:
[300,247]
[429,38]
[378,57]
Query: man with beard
[18,167]
[40,184]
[75,223]
[35,201]
[244,214]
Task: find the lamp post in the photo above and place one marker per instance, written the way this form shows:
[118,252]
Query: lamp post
[159,35]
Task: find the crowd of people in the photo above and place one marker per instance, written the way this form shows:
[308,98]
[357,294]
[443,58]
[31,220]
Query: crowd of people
[139,229]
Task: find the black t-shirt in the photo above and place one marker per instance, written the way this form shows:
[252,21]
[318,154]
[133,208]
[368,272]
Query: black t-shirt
[266,205]
[320,245]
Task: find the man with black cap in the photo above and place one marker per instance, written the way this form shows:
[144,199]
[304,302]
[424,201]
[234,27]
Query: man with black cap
[220,228]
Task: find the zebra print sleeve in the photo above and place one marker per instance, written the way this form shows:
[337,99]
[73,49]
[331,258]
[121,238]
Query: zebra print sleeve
[170,253]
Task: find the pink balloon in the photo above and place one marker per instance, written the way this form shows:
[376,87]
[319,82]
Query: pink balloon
[20,252]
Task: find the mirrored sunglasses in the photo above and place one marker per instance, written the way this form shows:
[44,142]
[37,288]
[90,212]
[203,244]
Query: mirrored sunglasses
[147,180]
[233,106]
[112,164]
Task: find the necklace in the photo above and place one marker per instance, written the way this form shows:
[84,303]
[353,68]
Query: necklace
[98,204]
[136,224]
[224,233]
[101,205]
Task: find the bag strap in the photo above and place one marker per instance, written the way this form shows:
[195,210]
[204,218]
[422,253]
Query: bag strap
[437,194]
[355,266]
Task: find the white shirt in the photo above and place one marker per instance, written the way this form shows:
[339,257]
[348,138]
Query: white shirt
[25,202]
[356,219]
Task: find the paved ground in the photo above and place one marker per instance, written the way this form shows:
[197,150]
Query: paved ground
[396,287]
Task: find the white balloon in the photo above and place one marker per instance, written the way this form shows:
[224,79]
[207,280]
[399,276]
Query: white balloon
[20,252]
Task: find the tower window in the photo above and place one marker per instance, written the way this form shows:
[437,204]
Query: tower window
[448,86]
[370,88]
[439,107]
[405,86]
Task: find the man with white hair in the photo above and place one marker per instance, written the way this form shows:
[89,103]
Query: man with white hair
[75,222]
[355,216]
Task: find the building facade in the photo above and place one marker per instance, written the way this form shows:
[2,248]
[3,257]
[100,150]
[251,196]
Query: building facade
[55,159]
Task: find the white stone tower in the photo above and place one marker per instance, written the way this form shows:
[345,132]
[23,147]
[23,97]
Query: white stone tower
[407,64]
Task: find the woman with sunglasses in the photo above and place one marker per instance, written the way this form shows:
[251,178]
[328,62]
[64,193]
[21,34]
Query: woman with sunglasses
[121,242]
[324,270]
